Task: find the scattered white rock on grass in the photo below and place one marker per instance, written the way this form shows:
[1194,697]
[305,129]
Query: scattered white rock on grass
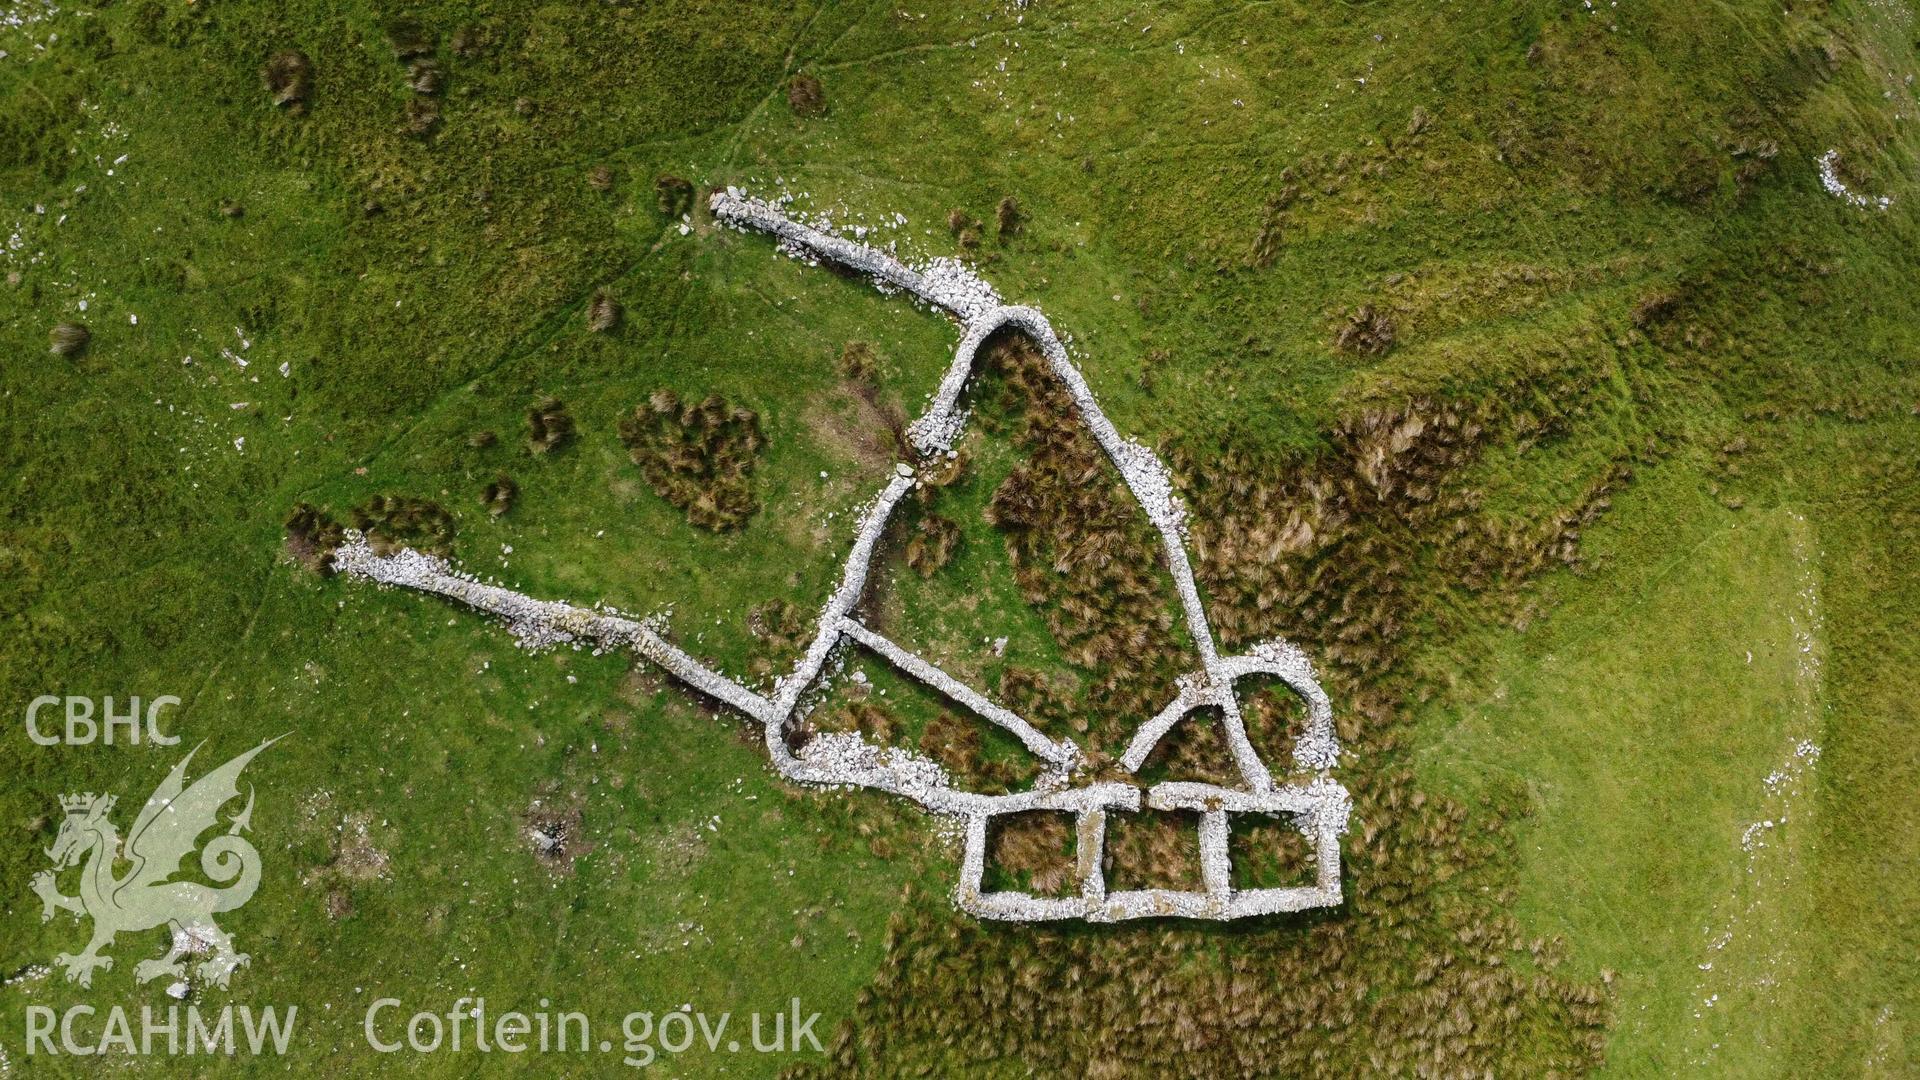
[1830,179]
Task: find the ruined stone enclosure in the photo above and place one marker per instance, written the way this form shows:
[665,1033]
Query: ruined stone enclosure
[1314,802]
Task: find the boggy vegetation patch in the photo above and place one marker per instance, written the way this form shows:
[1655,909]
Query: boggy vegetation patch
[698,456]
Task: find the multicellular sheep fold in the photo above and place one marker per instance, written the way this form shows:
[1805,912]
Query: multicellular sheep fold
[1317,805]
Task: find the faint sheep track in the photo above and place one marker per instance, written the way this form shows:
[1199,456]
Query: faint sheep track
[1318,806]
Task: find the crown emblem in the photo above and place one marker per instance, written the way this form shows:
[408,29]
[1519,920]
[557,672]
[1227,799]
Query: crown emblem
[85,803]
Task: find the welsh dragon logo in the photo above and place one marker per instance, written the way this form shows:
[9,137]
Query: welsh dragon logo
[165,832]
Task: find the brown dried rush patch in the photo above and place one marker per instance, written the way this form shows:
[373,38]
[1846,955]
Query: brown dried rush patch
[700,457]
[1153,849]
[958,743]
[1196,749]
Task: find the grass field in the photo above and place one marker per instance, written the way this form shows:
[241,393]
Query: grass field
[1614,516]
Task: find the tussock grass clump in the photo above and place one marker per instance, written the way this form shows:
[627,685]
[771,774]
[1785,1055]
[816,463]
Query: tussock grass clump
[289,78]
[806,96]
[965,229]
[1365,331]
[1009,218]
[409,38]
[392,522]
[549,425]
[858,363]
[468,42]
[698,456]
[424,76]
[603,312]
[498,496]
[421,118]
[1273,226]
[942,474]
[932,545]
[312,537]
[482,439]
[675,195]
[69,339]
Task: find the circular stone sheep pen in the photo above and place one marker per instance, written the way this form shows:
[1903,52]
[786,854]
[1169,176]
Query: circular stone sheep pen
[1317,806]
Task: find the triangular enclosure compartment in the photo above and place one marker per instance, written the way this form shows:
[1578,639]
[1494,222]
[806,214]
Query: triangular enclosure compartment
[1024,567]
